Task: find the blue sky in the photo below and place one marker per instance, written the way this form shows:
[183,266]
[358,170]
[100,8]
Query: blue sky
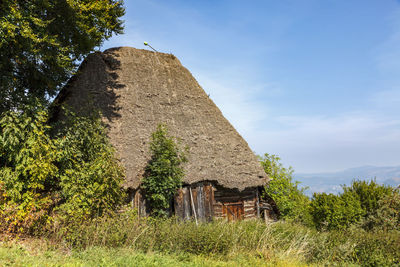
[315,82]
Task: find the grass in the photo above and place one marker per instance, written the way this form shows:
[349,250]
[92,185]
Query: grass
[30,254]
[122,239]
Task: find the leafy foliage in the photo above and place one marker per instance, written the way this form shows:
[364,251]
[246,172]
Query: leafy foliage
[358,204]
[387,215]
[90,175]
[291,200]
[164,172]
[75,170]
[369,194]
[42,42]
[27,154]
[27,171]
[335,212]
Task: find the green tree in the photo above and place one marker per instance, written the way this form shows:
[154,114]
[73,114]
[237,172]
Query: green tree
[360,203]
[164,173]
[43,41]
[90,177]
[331,211]
[291,200]
[27,154]
[28,169]
[387,215]
[369,193]
[75,171]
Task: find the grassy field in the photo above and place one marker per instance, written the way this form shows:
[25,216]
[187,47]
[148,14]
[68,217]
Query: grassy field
[125,240]
[34,253]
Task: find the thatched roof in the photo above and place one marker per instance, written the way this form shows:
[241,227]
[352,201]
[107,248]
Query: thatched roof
[138,89]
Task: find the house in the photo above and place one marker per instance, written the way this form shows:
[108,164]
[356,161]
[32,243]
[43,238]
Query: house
[135,90]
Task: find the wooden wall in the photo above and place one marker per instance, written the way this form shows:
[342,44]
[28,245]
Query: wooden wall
[211,202]
[205,202]
[195,201]
[234,205]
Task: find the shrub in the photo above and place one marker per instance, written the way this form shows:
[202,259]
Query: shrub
[28,171]
[90,176]
[369,194]
[387,215]
[292,202]
[358,204]
[331,211]
[75,170]
[164,172]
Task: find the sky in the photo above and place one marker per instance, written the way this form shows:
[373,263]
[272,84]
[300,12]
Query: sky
[316,82]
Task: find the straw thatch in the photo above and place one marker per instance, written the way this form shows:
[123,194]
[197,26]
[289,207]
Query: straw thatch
[138,89]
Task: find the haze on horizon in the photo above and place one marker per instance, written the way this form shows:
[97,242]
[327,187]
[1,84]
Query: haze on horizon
[315,82]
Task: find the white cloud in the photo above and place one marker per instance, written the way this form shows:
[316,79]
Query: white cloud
[319,143]
[309,143]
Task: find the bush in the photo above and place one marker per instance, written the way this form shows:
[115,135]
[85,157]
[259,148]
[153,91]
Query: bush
[292,202]
[335,212]
[164,172]
[387,216]
[28,171]
[90,176]
[358,204]
[75,170]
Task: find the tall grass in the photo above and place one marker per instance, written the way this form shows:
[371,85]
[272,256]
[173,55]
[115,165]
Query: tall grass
[280,241]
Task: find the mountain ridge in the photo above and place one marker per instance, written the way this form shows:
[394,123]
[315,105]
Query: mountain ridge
[330,182]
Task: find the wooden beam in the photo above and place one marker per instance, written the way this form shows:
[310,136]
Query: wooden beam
[193,207]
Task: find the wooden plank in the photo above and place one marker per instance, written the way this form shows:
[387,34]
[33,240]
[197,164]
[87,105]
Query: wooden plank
[141,205]
[224,211]
[225,194]
[230,199]
[194,196]
[186,204]
[178,204]
[207,202]
[192,205]
[200,203]
[217,210]
[138,203]
[212,201]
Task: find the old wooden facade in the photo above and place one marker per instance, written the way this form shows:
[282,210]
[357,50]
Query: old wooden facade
[205,201]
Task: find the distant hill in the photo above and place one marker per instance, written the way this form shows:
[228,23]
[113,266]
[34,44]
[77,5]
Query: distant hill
[330,182]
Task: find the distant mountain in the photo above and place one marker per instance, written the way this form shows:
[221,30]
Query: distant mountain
[331,182]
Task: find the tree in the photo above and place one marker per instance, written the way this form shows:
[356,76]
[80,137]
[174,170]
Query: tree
[360,203]
[90,176]
[291,200]
[43,41]
[331,211]
[369,193]
[75,171]
[388,214]
[164,173]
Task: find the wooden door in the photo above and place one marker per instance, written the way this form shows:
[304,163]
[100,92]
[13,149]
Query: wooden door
[233,211]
